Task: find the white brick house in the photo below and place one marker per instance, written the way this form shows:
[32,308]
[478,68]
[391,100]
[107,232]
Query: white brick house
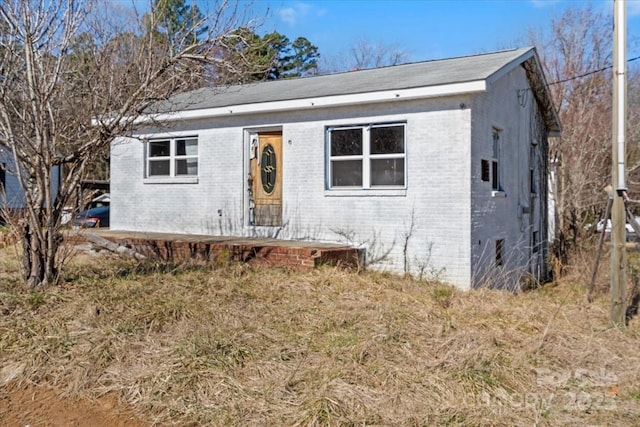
[435,168]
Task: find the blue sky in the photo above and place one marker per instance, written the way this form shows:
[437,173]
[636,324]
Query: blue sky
[427,29]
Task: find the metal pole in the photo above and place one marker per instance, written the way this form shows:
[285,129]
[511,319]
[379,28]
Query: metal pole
[618,214]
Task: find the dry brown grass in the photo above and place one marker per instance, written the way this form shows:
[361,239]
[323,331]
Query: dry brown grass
[233,345]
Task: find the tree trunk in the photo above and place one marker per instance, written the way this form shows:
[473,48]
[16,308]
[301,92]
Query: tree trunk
[78,82]
[38,257]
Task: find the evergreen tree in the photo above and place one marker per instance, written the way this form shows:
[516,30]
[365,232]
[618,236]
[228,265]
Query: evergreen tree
[305,58]
[270,57]
[176,22]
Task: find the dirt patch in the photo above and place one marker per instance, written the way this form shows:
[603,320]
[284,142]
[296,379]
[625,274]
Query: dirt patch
[40,407]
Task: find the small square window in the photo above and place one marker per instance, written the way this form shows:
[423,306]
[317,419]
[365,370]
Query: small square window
[159,148]
[159,167]
[346,173]
[387,172]
[187,167]
[387,140]
[346,142]
[186,147]
[486,171]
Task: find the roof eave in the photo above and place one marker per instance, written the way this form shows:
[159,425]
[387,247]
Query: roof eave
[508,67]
[319,102]
[542,94]
[531,63]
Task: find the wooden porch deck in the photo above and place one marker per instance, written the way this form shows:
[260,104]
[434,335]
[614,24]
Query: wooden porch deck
[258,251]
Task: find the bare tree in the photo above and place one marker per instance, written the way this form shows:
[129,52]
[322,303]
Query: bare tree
[576,57]
[363,54]
[74,75]
[633,130]
[369,55]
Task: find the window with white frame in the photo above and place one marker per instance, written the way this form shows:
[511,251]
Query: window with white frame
[367,156]
[172,157]
[495,161]
[532,170]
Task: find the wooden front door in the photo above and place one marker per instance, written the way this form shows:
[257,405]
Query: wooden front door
[266,179]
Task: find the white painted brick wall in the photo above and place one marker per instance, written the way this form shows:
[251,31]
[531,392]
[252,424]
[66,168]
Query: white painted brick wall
[507,105]
[442,172]
[438,193]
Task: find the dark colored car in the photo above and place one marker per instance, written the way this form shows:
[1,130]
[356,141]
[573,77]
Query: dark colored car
[92,218]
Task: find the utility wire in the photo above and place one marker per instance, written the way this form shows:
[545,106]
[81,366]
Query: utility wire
[589,73]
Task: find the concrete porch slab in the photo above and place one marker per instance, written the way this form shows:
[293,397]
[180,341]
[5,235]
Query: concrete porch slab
[172,247]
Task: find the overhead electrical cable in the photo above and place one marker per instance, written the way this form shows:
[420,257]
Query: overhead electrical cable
[589,73]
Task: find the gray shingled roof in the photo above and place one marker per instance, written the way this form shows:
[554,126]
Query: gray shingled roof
[407,76]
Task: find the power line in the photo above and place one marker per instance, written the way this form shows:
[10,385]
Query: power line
[589,73]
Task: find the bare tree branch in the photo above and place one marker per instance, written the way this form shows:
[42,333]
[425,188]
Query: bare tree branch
[76,74]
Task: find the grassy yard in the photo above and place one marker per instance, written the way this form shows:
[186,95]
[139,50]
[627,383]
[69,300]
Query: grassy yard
[232,345]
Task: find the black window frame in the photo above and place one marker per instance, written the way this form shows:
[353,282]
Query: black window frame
[485,170]
[3,176]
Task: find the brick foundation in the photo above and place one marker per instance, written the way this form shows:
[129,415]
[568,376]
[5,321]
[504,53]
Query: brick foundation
[280,254]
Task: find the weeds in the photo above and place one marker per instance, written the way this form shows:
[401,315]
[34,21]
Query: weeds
[36,299]
[234,345]
[442,295]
